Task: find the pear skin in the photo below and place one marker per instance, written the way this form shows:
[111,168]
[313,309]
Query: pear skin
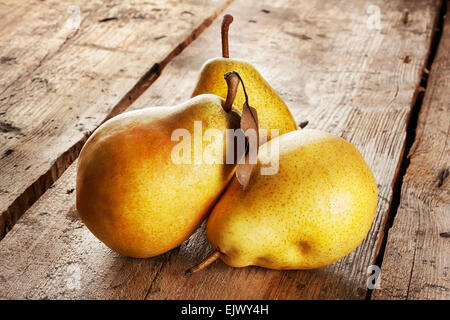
[317,209]
[130,193]
[273,113]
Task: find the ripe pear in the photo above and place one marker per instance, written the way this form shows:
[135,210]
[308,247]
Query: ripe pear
[315,210]
[273,113]
[131,194]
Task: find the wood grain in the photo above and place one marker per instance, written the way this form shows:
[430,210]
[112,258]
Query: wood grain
[344,80]
[59,83]
[416,263]
[49,249]
[331,69]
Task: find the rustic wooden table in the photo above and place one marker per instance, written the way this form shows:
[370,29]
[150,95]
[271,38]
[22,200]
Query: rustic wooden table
[375,73]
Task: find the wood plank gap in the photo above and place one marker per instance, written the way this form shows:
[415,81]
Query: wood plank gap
[410,137]
[362,90]
[38,187]
[145,82]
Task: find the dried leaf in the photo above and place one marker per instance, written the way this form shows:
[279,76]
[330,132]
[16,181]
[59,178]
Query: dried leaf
[249,119]
[244,172]
[249,125]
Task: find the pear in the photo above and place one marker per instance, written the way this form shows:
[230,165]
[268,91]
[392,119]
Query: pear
[133,195]
[273,113]
[316,209]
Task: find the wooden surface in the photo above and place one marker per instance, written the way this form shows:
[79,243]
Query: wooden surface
[330,67]
[416,264]
[72,79]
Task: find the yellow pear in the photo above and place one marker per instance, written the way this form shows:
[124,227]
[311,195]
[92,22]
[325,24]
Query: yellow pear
[273,113]
[142,194]
[316,209]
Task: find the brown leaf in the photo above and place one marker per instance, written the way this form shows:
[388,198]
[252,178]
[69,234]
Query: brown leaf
[244,172]
[249,119]
[249,125]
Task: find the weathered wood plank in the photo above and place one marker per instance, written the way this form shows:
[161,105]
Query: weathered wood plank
[335,71]
[416,263]
[68,81]
[25,42]
[343,78]
[49,249]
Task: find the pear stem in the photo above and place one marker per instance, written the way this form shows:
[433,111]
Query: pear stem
[303,124]
[205,263]
[227,20]
[233,78]
[233,84]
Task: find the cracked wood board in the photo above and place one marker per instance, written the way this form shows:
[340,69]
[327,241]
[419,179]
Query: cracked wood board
[59,83]
[343,78]
[336,73]
[416,263]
